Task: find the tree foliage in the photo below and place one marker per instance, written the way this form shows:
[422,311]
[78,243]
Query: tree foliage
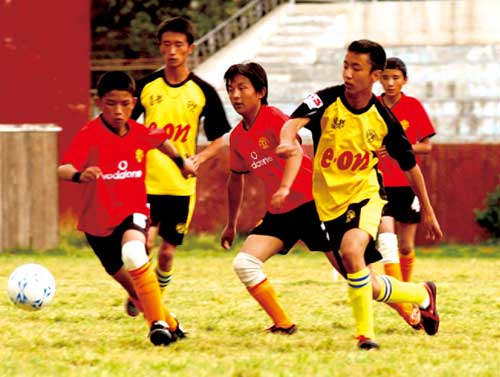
[127,28]
[489,218]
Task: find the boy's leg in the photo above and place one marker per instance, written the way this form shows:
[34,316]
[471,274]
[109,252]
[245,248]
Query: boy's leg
[248,267]
[406,236]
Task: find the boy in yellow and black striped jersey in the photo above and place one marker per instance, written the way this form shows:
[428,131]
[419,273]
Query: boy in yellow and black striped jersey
[176,99]
[348,125]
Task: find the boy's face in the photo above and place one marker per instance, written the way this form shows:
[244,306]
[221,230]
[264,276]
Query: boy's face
[243,96]
[392,81]
[116,107]
[357,73]
[175,49]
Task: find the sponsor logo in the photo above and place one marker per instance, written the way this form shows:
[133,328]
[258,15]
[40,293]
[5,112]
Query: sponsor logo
[370,135]
[191,106]
[258,163]
[405,124]
[122,172]
[313,101]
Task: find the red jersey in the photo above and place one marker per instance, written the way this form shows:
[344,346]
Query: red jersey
[120,191]
[417,126]
[253,151]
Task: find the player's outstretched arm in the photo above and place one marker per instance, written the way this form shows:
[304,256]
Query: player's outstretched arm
[188,167]
[429,220]
[210,150]
[235,184]
[288,135]
[68,172]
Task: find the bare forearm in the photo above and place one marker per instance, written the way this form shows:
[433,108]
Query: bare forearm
[211,150]
[417,183]
[235,195]
[66,172]
[292,167]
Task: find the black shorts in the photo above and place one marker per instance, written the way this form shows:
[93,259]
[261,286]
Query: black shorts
[109,248]
[402,204]
[301,223]
[170,213]
[336,229]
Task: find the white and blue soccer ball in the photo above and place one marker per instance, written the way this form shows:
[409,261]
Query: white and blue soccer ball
[31,287]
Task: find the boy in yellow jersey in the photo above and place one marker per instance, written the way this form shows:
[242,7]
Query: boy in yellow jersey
[175,99]
[348,126]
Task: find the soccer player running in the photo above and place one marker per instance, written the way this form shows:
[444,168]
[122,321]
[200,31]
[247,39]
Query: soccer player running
[349,125]
[401,214]
[291,214]
[107,157]
[176,99]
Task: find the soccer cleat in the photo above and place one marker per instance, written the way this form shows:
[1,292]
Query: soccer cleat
[365,343]
[159,334]
[179,332]
[131,309]
[282,330]
[430,316]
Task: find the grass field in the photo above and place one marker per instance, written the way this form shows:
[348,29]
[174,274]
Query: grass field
[85,331]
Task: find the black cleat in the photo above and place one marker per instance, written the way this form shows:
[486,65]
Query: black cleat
[159,334]
[179,332]
[430,316]
[282,330]
[367,344]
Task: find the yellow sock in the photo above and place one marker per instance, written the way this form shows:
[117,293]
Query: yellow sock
[164,277]
[404,309]
[394,291]
[148,292]
[360,293]
[406,262]
[265,295]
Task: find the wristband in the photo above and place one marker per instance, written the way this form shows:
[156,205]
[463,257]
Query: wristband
[179,161]
[76,177]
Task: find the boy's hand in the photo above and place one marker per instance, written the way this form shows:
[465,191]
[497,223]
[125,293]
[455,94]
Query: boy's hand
[227,237]
[382,152]
[90,174]
[190,168]
[279,197]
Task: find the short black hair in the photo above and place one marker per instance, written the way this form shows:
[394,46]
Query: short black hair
[373,49]
[254,72]
[115,80]
[177,25]
[397,63]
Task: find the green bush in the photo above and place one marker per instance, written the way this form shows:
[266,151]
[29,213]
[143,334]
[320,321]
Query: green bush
[489,218]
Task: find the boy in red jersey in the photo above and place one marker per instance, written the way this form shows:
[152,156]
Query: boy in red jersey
[348,126]
[107,157]
[402,212]
[291,214]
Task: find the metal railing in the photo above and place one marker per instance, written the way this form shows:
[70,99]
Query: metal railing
[206,46]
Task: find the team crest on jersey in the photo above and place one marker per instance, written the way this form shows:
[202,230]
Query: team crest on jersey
[313,101]
[191,106]
[155,99]
[405,124]
[181,228]
[370,135]
[350,215]
[139,155]
[338,123]
[264,142]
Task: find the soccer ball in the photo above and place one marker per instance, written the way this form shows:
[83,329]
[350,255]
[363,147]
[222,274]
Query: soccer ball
[31,287]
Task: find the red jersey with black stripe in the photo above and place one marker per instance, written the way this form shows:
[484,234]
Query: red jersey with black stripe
[417,126]
[120,191]
[253,151]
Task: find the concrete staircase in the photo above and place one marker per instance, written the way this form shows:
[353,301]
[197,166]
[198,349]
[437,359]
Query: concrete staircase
[302,47]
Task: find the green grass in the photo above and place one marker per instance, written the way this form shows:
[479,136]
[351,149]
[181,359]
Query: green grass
[85,331]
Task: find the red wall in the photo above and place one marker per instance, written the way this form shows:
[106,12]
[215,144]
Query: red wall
[45,65]
[458,177]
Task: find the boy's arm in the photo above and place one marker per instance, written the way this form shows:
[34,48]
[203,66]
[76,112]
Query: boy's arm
[210,150]
[429,220]
[235,184]
[292,167]
[68,172]
[188,166]
[288,136]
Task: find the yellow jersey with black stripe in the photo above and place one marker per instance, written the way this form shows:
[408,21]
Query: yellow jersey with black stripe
[345,144]
[178,109]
